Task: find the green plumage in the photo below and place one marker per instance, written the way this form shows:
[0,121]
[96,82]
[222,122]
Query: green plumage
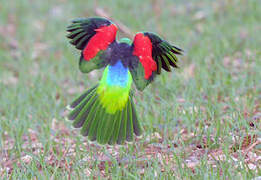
[106,128]
[96,63]
[137,74]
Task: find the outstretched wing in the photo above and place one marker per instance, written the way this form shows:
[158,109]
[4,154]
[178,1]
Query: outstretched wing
[92,36]
[154,54]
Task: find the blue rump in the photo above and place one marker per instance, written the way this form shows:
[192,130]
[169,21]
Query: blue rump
[117,74]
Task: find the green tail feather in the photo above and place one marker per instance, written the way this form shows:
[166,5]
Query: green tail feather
[91,117]
[79,99]
[136,124]
[105,132]
[92,135]
[81,117]
[102,126]
[123,128]
[129,133]
[80,104]
[116,129]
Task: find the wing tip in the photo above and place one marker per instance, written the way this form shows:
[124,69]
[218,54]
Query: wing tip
[177,50]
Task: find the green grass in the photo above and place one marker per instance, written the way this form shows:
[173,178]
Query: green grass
[201,112]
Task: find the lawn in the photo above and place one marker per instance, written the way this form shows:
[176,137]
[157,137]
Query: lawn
[202,121]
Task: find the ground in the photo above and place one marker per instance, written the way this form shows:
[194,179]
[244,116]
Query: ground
[201,121]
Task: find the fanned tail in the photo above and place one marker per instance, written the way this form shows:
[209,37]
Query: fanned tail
[89,114]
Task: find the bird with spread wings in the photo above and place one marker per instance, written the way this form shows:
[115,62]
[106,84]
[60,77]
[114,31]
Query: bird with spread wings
[106,112]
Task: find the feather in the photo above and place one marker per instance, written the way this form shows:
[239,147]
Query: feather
[176,50]
[79,107]
[81,117]
[173,56]
[159,64]
[91,117]
[92,135]
[123,128]
[117,125]
[73,27]
[171,60]
[108,128]
[78,37]
[100,129]
[129,133]
[164,65]
[74,33]
[82,42]
[136,124]
[79,99]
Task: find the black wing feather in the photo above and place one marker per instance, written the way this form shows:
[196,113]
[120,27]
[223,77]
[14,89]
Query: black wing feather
[81,30]
[163,52]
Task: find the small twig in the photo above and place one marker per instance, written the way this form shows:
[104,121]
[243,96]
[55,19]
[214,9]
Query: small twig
[252,146]
[122,27]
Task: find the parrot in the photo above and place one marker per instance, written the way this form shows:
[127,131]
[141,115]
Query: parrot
[106,113]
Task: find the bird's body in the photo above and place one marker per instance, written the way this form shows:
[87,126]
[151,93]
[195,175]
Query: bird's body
[114,87]
[106,112]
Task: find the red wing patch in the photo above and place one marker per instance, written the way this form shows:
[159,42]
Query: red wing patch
[104,36]
[143,49]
